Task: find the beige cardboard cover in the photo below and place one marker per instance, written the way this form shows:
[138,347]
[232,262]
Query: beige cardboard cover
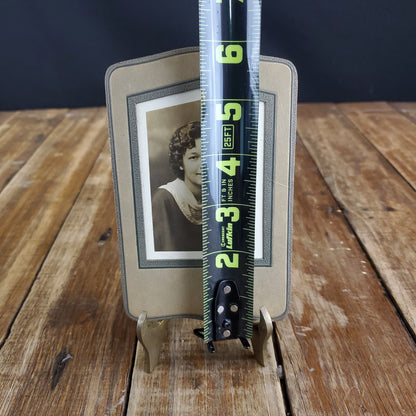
[171,287]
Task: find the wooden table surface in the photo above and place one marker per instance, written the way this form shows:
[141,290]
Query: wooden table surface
[347,346]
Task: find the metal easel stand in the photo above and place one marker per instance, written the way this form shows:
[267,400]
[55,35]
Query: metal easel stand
[152,334]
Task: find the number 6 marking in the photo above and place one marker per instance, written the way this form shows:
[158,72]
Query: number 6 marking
[232,54]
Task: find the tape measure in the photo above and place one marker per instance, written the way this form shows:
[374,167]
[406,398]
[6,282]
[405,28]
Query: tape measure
[229,33]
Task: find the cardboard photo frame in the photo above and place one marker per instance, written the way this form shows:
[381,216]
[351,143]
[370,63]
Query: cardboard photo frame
[147,99]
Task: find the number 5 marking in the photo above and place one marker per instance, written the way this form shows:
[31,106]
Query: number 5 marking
[227,114]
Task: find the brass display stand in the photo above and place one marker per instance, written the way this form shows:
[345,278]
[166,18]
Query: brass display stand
[152,335]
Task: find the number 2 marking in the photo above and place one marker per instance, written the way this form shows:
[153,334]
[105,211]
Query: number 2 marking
[224,260]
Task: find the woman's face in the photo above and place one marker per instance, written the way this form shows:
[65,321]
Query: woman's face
[192,164]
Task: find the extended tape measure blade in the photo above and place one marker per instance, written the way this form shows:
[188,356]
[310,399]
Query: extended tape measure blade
[229,68]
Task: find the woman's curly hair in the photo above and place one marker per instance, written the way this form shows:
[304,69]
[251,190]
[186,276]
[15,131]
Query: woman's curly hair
[183,139]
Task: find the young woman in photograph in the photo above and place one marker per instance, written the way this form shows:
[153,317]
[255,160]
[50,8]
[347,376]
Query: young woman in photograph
[177,213]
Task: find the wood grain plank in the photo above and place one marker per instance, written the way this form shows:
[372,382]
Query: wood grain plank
[190,381]
[378,203]
[407,108]
[34,204]
[393,134]
[344,349]
[6,115]
[71,347]
[20,135]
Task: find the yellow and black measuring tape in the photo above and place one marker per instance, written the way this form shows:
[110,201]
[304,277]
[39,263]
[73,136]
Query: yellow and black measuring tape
[229,67]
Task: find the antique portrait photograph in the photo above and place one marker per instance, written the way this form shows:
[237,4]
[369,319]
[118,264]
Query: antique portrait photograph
[169,147]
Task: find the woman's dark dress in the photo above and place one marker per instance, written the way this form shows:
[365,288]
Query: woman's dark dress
[172,230]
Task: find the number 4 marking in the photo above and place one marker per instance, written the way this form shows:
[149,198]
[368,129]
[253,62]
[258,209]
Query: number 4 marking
[229,166]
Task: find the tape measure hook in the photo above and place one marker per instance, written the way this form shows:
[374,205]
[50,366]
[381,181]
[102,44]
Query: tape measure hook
[199,332]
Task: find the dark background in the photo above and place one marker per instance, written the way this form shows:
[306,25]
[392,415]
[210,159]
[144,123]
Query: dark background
[55,53]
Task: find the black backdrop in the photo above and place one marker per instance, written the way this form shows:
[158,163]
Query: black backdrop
[55,53]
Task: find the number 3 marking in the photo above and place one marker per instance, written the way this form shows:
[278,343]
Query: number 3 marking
[224,212]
